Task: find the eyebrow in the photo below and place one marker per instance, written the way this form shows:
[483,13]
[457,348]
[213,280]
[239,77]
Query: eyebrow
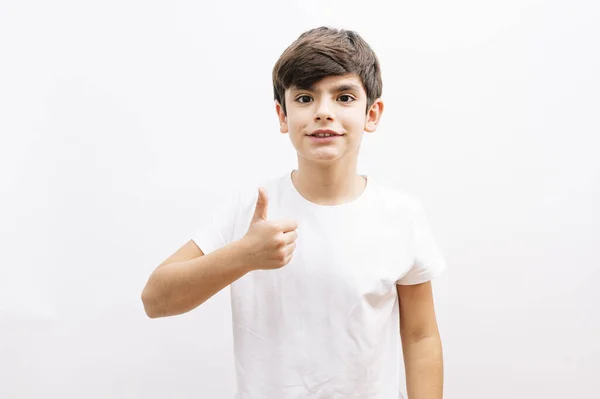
[335,89]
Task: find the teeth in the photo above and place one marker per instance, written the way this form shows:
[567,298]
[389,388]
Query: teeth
[323,135]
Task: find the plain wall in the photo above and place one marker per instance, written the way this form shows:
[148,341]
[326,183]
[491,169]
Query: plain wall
[124,123]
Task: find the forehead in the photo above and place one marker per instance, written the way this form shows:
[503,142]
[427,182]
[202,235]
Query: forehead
[333,83]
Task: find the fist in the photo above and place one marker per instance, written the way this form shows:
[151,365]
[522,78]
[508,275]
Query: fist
[270,244]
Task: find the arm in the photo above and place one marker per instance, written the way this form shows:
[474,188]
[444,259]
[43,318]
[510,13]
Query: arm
[188,278]
[421,343]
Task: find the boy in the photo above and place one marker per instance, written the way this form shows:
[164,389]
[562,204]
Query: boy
[329,272]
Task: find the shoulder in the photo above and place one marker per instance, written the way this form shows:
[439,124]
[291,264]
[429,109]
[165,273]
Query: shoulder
[393,199]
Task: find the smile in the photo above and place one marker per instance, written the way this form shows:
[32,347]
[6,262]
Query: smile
[324,139]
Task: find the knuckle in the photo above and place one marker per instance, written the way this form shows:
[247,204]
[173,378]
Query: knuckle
[280,243]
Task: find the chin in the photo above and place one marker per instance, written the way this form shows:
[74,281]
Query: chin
[324,157]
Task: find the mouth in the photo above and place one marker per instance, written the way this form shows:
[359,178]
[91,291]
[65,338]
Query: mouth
[321,134]
[324,139]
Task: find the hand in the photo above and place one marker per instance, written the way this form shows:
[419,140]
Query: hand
[270,244]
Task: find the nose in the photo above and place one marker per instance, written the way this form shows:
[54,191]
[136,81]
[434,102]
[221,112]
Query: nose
[323,112]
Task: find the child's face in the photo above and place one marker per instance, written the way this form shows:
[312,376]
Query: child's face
[336,103]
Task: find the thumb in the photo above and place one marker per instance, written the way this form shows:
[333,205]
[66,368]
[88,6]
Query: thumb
[262,203]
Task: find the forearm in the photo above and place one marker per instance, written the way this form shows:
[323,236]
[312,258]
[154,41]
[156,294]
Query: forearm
[423,361]
[179,287]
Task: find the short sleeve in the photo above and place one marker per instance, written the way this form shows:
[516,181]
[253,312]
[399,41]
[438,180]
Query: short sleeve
[216,228]
[428,261]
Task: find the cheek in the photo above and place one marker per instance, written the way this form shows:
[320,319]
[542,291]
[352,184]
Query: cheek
[296,124]
[353,114]
[355,120]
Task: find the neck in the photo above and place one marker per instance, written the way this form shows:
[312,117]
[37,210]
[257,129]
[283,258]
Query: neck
[328,184]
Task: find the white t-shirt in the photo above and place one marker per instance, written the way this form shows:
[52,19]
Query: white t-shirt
[326,325]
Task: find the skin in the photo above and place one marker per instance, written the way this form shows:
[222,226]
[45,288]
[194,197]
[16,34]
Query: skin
[327,175]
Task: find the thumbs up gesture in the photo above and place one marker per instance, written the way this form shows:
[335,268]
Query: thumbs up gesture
[270,244]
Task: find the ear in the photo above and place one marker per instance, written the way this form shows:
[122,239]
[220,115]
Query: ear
[374,115]
[283,126]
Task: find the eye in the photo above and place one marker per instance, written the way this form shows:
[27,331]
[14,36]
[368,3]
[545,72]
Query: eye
[346,98]
[303,99]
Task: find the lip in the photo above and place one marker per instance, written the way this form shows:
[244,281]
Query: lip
[330,139]
[324,139]
[325,131]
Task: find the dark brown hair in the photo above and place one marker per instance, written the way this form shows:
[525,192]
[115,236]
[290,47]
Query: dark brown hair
[322,52]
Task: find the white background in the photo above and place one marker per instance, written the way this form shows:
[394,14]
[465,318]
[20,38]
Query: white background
[123,123]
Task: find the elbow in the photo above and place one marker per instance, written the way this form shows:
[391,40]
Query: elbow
[149,302]
[417,335]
